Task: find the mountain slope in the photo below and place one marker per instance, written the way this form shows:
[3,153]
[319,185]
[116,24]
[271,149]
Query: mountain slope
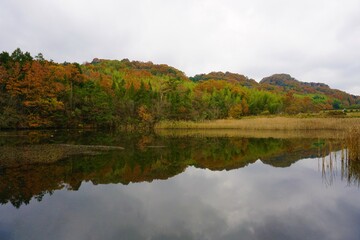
[227,76]
[36,93]
[286,83]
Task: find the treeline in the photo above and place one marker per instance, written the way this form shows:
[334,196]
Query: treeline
[37,93]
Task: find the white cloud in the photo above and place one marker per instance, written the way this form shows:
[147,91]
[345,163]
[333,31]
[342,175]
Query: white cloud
[308,39]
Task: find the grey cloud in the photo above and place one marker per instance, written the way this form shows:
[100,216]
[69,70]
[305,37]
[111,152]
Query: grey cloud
[312,40]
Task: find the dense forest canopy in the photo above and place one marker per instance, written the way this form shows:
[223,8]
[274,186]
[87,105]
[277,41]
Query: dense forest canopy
[38,93]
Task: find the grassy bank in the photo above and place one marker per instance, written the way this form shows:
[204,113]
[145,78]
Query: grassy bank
[266,123]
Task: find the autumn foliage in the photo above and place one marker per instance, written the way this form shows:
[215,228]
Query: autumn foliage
[37,93]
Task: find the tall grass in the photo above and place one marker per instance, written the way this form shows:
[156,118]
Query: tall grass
[352,142]
[350,159]
[245,133]
[266,123]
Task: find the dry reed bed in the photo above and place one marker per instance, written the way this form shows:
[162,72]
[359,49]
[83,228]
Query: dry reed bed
[342,128]
[352,142]
[275,123]
[307,134]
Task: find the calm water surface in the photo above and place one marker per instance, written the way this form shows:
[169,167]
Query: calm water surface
[172,187]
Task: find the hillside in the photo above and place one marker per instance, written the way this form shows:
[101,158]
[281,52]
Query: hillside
[227,76]
[146,68]
[37,93]
[285,83]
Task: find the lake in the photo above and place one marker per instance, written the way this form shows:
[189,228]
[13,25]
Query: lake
[177,185]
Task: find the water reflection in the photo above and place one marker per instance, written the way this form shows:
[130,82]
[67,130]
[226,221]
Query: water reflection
[337,165]
[145,158]
[229,188]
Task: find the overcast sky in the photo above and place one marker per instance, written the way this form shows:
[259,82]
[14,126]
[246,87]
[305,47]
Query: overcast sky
[313,40]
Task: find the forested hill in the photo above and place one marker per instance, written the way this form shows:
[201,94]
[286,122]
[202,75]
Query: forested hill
[132,67]
[229,77]
[285,83]
[38,93]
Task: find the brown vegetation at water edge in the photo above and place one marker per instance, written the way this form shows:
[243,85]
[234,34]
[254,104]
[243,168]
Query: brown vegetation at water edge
[352,141]
[266,123]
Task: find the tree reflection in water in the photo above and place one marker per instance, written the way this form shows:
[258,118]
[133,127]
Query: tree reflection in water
[151,157]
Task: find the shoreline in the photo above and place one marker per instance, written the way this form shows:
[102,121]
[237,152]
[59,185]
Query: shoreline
[265,123]
[271,123]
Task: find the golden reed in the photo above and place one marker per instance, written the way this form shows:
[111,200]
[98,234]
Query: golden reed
[352,142]
[266,123]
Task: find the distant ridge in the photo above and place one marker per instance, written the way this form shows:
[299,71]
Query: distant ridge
[286,83]
[227,76]
[286,80]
